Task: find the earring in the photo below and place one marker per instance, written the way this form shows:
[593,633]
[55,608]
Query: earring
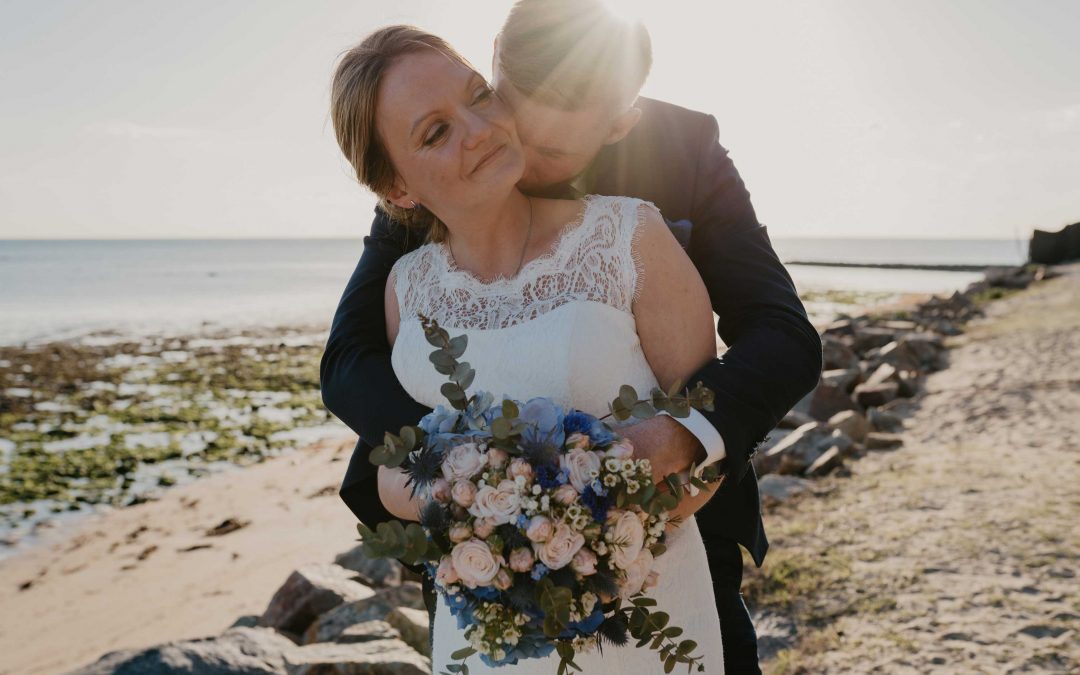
[414,204]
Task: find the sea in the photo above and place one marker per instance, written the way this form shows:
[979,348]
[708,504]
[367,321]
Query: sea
[55,290]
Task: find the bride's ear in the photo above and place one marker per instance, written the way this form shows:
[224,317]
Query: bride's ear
[622,125]
[399,196]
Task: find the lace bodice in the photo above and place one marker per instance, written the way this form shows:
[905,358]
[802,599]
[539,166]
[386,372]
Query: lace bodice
[592,260]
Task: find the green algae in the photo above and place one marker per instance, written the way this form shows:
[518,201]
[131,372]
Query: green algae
[85,418]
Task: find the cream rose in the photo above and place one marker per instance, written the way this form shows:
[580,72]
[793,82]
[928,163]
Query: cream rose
[462,462]
[584,562]
[464,493]
[474,563]
[500,504]
[580,464]
[636,574]
[559,550]
[627,539]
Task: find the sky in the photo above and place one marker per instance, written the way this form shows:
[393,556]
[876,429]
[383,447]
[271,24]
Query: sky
[846,118]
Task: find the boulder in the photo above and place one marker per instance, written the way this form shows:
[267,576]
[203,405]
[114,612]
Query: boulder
[843,325]
[868,395]
[240,651]
[883,420]
[378,657]
[797,451]
[871,336]
[879,440]
[899,325]
[907,383]
[793,420]
[367,631]
[895,354]
[413,626]
[852,423]
[842,378]
[836,354]
[886,372]
[375,572]
[825,401]
[774,488]
[310,591]
[376,607]
[926,349]
[829,460]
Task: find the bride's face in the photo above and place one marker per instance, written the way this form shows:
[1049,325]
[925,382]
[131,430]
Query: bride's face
[451,140]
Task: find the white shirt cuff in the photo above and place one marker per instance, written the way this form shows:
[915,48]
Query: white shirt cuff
[710,439]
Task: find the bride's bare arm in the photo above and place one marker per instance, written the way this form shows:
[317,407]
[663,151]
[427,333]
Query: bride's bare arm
[673,314]
[393,493]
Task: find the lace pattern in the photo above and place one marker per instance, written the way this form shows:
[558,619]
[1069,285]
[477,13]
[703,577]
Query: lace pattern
[594,259]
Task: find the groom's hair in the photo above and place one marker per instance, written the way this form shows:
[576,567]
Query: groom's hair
[573,53]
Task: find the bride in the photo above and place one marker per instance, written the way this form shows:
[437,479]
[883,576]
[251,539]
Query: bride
[561,298]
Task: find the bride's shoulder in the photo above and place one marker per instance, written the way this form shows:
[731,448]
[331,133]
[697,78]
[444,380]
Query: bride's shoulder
[418,260]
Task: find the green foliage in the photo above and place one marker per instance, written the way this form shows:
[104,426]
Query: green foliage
[390,539]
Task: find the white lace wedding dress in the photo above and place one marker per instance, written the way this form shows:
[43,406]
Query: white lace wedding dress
[561,328]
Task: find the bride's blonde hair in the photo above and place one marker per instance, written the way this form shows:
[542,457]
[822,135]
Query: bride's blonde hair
[353,100]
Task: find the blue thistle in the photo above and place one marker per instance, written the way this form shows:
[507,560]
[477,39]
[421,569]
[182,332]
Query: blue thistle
[423,467]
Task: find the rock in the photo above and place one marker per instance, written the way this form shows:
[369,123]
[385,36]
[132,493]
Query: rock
[899,326]
[895,354]
[794,419]
[943,327]
[842,378]
[310,591]
[852,423]
[907,382]
[331,624]
[367,631]
[878,440]
[243,651]
[825,401]
[870,337]
[883,420]
[774,488]
[796,452]
[775,633]
[886,372]
[379,657]
[246,621]
[835,354]
[413,626]
[829,460]
[925,347]
[868,395]
[840,326]
[375,572]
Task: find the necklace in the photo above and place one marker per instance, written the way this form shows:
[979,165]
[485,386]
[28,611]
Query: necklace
[524,247]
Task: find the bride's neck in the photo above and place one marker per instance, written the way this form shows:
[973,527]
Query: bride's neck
[488,242]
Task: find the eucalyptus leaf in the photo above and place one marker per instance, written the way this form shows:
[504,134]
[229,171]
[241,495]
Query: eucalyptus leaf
[628,396]
[457,346]
[643,410]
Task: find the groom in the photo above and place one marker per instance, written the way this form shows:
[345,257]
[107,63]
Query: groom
[571,73]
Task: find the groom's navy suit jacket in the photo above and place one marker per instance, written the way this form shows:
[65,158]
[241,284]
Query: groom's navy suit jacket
[672,158]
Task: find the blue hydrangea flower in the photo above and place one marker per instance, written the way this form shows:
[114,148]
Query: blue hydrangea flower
[532,646]
[441,420]
[598,505]
[544,422]
[577,422]
[539,570]
[589,624]
[563,477]
[522,521]
[488,593]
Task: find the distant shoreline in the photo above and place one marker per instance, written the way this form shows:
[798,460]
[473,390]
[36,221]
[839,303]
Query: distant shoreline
[893,266]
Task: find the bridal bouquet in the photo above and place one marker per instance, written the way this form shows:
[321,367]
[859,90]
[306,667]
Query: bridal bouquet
[539,527]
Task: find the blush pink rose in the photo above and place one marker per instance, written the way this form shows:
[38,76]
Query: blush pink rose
[483,527]
[500,504]
[577,441]
[565,494]
[519,467]
[440,491]
[502,580]
[463,493]
[521,560]
[497,458]
[459,533]
[559,550]
[446,574]
[628,538]
[580,464]
[474,562]
[462,462]
[621,449]
[584,562]
[636,574]
[540,529]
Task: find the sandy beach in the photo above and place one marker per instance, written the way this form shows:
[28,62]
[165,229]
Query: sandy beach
[958,552]
[149,573]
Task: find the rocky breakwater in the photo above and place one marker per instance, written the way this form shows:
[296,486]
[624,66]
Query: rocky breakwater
[873,369]
[355,616]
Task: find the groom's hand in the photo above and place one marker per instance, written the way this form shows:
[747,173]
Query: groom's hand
[669,447]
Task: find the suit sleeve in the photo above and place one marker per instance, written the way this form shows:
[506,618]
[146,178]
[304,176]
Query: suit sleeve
[774,353]
[358,383]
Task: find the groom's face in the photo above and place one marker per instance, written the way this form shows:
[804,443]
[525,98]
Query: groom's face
[559,144]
